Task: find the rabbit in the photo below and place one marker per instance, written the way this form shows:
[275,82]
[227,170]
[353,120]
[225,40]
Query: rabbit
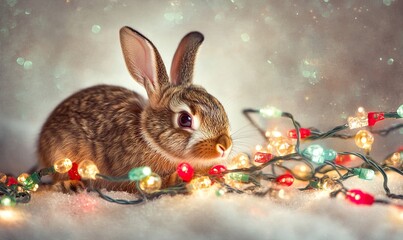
[118,129]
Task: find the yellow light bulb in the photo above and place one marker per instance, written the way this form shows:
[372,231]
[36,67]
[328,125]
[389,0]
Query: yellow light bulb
[240,161]
[273,134]
[279,193]
[199,183]
[364,139]
[282,146]
[6,214]
[11,216]
[3,178]
[360,119]
[258,148]
[302,171]
[35,188]
[328,184]
[271,149]
[63,165]
[396,160]
[361,113]
[150,183]
[22,178]
[87,169]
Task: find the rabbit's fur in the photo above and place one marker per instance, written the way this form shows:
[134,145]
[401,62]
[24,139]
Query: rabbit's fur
[118,129]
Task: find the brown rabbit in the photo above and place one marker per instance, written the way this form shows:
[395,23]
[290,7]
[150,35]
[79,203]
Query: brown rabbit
[118,129]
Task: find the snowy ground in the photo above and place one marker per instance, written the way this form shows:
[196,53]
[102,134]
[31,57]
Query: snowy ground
[307,215]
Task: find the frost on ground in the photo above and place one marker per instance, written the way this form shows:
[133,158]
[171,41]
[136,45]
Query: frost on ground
[307,215]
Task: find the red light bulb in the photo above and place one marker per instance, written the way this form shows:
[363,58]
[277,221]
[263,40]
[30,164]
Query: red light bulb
[217,170]
[359,197]
[303,133]
[262,157]
[11,181]
[285,179]
[374,117]
[342,159]
[73,172]
[185,171]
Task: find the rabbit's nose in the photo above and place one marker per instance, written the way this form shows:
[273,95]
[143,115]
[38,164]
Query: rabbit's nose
[224,144]
[220,149]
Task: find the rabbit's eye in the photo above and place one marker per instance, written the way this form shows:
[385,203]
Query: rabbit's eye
[185,120]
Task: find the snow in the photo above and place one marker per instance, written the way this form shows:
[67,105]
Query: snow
[307,215]
[319,60]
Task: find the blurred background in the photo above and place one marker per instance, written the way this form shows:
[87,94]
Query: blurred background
[319,60]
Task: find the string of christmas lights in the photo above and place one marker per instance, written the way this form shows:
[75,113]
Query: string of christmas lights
[270,172]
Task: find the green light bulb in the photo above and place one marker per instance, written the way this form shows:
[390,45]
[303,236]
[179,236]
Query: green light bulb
[400,111]
[136,174]
[239,177]
[220,192]
[33,179]
[329,154]
[270,112]
[315,153]
[364,173]
[8,201]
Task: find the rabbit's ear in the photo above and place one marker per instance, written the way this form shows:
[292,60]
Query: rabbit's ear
[144,62]
[184,58]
